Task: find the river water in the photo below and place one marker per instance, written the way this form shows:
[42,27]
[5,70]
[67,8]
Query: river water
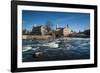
[68,49]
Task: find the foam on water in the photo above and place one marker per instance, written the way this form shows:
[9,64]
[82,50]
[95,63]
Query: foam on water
[26,48]
[70,48]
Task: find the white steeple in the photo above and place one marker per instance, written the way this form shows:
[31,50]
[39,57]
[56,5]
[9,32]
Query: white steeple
[35,25]
[56,26]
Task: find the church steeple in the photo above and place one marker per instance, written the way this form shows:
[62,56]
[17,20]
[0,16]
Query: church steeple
[34,25]
[56,26]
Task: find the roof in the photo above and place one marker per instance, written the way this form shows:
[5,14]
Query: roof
[37,27]
[59,28]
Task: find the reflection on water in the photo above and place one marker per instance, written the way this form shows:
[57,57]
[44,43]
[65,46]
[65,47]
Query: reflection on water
[68,49]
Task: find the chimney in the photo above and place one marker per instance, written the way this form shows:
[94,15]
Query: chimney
[67,26]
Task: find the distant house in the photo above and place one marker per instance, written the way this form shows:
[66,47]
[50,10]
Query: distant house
[39,30]
[66,31]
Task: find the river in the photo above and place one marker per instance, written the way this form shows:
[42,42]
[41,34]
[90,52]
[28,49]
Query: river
[68,49]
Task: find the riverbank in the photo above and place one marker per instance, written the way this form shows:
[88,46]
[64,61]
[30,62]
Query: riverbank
[46,37]
[36,37]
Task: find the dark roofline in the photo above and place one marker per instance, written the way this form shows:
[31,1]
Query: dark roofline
[60,28]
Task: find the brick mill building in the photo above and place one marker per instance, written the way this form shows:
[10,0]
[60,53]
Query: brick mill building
[66,31]
[59,32]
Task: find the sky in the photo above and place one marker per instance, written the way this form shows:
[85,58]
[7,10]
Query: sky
[76,21]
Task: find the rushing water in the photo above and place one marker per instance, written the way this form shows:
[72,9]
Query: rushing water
[68,49]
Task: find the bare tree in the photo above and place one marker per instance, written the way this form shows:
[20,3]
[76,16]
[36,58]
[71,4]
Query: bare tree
[24,31]
[49,26]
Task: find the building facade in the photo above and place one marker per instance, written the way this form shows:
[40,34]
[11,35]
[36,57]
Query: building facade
[66,31]
[59,32]
[39,30]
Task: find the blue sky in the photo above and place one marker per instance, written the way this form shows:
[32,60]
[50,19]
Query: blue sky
[76,21]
